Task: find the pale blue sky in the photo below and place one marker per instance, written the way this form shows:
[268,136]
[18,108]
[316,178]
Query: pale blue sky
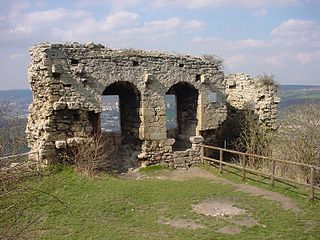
[253,36]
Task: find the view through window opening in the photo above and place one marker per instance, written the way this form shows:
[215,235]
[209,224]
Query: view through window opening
[171,111]
[110,116]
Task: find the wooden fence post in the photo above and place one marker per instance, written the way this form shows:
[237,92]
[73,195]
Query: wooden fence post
[202,153]
[220,163]
[244,169]
[273,172]
[311,195]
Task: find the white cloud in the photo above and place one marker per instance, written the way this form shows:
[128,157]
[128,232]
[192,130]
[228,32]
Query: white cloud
[162,25]
[119,20]
[295,43]
[115,4]
[236,60]
[32,21]
[230,45]
[194,25]
[193,4]
[291,50]
[261,12]
[297,31]
[308,57]
[15,56]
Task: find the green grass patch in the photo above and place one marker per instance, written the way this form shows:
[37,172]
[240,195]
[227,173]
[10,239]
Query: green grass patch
[65,205]
[152,168]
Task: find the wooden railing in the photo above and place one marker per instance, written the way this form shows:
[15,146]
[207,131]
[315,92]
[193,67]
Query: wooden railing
[16,155]
[4,160]
[243,166]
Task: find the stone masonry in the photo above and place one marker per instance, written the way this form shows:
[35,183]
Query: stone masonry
[69,80]
[244,92]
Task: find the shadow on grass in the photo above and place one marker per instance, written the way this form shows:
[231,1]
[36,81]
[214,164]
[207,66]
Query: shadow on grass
[266,181]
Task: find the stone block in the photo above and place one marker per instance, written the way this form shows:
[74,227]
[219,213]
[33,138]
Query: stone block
[148,112]
[170,141]
[56,69]
[178,154]
[59,105]
[196,139]
[61,144]
[72,142]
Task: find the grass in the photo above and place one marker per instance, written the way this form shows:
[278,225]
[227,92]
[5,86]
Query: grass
[152,168]
[69,206]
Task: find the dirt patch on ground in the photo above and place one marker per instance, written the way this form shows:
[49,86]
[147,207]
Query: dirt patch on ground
[227,211]
[181,223]
[231,230]
[176,175]
[132,174]
[285,202]
[181,175]
[217,209]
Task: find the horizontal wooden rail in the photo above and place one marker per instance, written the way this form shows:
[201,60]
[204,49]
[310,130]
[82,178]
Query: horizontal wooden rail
[258,172]
[263,157]
[16,155]
[272,175]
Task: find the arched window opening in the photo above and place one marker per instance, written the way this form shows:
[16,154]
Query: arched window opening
[186,101]
[125,99]
[120,123]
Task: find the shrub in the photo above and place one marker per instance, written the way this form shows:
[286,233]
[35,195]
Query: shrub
[267,80]
[92,154]
[254,137]
[217,60]
[298,139]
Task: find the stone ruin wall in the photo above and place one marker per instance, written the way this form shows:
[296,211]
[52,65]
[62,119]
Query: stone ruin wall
[68,81]
[246,93]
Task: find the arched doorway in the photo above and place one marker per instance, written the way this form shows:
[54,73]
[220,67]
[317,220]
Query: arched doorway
[120,121]
[186,102]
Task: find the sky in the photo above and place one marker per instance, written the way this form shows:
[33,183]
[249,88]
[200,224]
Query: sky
[279,37]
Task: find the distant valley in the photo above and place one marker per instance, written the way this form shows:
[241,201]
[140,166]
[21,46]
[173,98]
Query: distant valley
[298,94]
[19,100]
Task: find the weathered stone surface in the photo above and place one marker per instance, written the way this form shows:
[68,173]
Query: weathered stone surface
[245,92]
[59,105]
[68,81]
[56,69]
[61,144]
[196,139]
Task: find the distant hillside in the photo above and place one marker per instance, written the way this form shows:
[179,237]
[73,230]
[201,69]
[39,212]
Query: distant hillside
[16,95]
[18,100]
[298,94]
[290,95]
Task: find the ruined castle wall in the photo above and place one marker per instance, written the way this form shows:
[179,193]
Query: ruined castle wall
[68,80]
[244,92]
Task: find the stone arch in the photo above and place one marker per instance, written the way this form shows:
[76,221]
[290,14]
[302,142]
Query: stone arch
[126,142]
[186,96]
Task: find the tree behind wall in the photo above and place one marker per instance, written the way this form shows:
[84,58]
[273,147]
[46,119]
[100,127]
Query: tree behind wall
[12,132]
[298,139]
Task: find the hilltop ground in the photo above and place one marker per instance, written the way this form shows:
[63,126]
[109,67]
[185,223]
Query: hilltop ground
[158,204]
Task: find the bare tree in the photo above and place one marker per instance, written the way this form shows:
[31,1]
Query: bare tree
[12,131]
[254,137]
[298,139]
[214,59]
[92,154]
